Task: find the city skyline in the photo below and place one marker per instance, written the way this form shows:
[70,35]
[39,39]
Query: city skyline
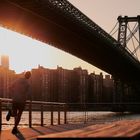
[4,62]
[56,84]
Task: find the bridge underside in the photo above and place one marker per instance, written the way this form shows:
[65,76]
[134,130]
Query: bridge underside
[62,32]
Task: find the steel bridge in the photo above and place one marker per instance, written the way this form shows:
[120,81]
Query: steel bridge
[59,23]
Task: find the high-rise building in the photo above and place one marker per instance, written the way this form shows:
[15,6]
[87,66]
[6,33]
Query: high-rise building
[5,61]
[108,88]
[81,76]
[6,78]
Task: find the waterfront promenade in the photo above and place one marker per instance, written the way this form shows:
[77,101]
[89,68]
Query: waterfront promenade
[60,126]
[117,129]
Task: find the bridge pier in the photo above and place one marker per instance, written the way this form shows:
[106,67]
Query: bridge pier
[118,91]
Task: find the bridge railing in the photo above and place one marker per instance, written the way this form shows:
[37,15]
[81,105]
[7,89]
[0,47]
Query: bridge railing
[6,103]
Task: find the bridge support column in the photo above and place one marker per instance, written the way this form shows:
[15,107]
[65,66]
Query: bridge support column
[122,30]
[118,91]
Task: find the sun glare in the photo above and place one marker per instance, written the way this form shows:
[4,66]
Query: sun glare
[26,53]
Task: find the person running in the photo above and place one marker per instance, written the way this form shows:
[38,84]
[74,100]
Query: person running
[20,90]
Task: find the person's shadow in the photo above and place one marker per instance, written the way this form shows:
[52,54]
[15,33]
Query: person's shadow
[19,136]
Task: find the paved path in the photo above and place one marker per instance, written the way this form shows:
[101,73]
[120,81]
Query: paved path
[119,129]
[33,133]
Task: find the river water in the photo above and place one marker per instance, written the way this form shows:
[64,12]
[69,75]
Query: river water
[72,117]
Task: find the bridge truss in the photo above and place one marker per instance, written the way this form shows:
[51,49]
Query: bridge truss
[128,34]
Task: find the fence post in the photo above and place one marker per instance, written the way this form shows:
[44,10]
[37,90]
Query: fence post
[30,114]
[59,114]
[42,114]
[85,113]
[0,114]
[65,113]
[51,114]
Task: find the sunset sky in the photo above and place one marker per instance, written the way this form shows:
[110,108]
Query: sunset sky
[26,53]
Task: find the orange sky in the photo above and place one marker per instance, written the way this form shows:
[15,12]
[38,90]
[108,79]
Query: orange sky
[105,12]
[26,53]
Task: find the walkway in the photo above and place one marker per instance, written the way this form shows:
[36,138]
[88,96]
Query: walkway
[124,128]
[33,133]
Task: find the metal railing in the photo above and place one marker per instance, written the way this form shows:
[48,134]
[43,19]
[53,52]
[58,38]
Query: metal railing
[62,113]
[102,112]
[41,107]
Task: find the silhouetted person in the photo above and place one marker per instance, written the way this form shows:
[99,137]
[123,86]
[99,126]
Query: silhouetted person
[20,90]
